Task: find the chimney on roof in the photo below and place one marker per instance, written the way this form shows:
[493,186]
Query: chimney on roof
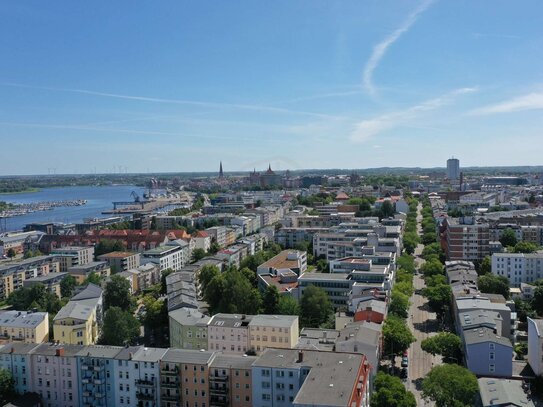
[300,356]
[130,355]
[243,316]
[59,352]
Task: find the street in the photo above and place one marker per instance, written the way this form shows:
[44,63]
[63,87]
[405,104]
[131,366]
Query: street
[423,324]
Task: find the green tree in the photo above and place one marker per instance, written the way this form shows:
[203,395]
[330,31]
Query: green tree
[445,344]
[493,284]
[508,238]
[94,278]
[450,385]
[11,253]
[399,304]
[271,300]
[163,275]
[525,247]
[37,296]
[407,263]
[117,294]
[398,337]
[108,246]
[250,275]
[7,386]
[288,306]
[387,209]
[537,301]
[485,267]
[439,298]
[433,249]
[316,308]
[120,327]
[232,292]
[214,248]
[156,312]
[524,310]
[322,266]
[432,267]
[67,286]
[198,254]
[429,238]
[206,274]
[390,392]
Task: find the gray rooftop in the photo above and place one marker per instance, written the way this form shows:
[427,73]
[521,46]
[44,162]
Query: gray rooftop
[280,321]
[50,349]
[188,356]
[482,335]
[89,267]
[80,310]
[330,381]
[46,278]
[18,348]
[189,317]
[149,354]
[502,392]
[230,320]
[90,291]
[100,351]
[233,361]
[21,319]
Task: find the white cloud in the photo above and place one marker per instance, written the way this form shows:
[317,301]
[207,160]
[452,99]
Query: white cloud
[531,101]
[369,128]
[380,49]
[260,108]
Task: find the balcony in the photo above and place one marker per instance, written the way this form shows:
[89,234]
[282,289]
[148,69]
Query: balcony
[170,384]
[219,390]
[170,372]
[145,396]
[171,397]
[145,382]
[221,379]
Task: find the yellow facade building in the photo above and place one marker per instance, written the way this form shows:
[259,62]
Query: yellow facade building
[24,326]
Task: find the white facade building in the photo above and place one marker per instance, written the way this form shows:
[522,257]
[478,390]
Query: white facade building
[518,267]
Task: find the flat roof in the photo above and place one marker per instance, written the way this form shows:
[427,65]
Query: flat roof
[332,376]
[47,277]
[230,320]
[280,321]
[119,255]
[502,392]
[233,361]
[22,319]
[189,356]
[100,351]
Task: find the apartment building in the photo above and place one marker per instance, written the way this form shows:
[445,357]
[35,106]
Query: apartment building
[13,274]
[137,371]
[310,378]
[229,333]
[218,235]
[464,239]
[294,260]
[487,353]
[173,257]
[290,237]
[185,378]
[79,321]
[535,345]
[337,286]
[53,374]
[51,282]
[230,380]
[82,272]
[24,326]
[71,256]
[188,329]
[96,372]
[273,331]
[518,267]
[121,261]
[14,357]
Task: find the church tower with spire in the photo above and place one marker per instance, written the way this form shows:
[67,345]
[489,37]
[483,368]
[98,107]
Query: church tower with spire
[221,174]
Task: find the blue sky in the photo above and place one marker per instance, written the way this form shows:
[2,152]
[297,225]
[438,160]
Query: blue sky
[181,85]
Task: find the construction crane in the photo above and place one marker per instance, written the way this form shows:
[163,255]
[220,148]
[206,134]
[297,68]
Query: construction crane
[135,196]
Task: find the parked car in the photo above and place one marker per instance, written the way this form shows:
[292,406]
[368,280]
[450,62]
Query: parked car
[403,373]
[405,361]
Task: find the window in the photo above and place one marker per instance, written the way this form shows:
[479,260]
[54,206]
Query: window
[492,356]
[491,368]
[266,396]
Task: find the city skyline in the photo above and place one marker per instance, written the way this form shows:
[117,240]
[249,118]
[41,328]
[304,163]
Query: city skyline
[179,87]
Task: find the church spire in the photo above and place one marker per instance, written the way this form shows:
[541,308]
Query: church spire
[221,174]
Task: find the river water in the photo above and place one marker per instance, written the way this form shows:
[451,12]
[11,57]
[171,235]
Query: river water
[99,198]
